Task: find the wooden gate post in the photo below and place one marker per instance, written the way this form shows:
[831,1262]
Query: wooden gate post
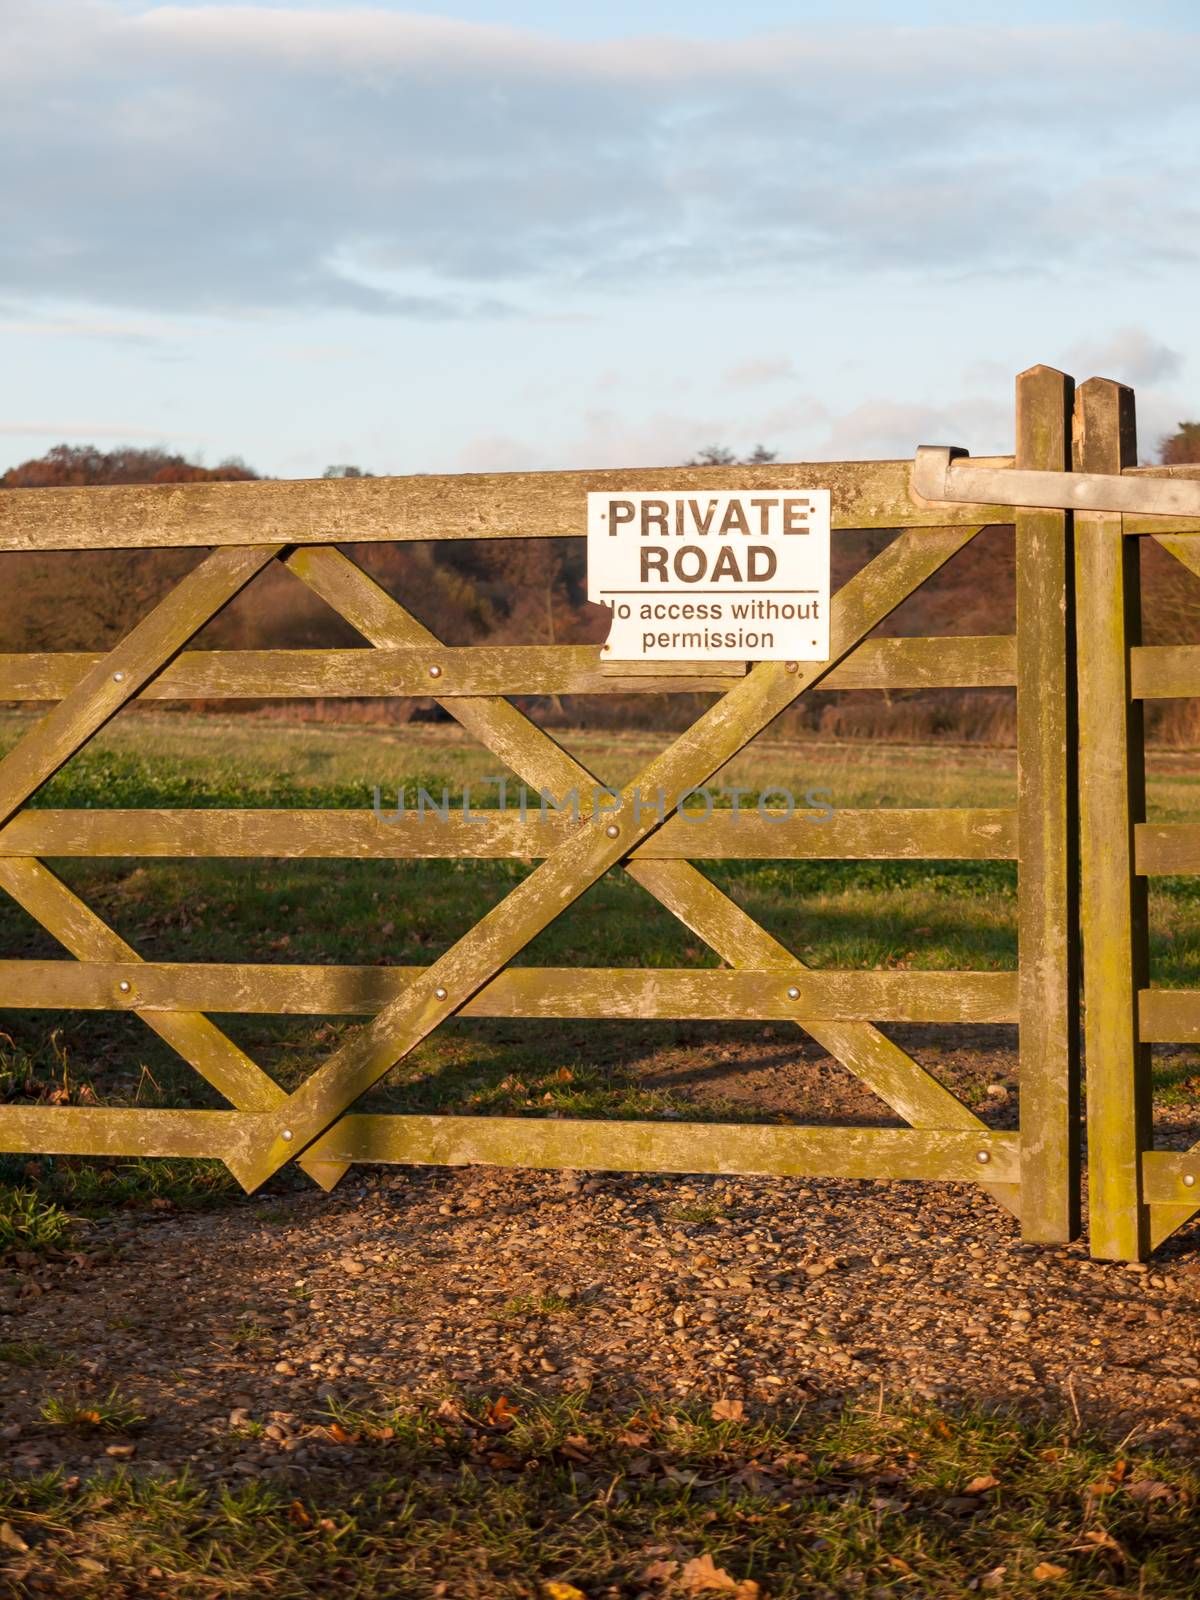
[1115,918]
[1048,827]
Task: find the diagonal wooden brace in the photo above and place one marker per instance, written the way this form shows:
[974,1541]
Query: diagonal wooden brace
[712,741]
[538,759]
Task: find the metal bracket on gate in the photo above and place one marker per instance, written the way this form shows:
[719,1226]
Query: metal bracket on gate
[939,476]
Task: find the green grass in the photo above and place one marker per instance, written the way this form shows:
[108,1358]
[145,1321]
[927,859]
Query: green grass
[30,1224]
[84,1413]
[497,1504]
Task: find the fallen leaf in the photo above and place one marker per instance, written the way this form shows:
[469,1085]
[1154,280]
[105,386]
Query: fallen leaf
[1144,1490]
[575,1447]
[556,1589]
[299,1515]
[728,1411]
[701,1575]
[10,1538]
[86,1564]
[339,1435]
[501,1412]
[981,1485]
[1047,1572]
[1100,1539]
[993,1579]
[659,1571]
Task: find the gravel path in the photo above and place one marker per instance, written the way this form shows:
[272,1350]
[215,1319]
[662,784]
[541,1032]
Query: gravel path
[235,1330]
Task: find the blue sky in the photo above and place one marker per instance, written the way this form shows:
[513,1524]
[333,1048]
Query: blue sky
[505,236]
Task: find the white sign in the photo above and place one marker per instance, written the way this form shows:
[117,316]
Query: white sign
[734,575]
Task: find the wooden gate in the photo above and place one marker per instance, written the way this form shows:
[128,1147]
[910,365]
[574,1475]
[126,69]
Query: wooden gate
[249,525]
[1137,1195]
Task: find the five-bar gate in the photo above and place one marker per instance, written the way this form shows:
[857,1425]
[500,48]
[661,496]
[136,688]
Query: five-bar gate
[247,526]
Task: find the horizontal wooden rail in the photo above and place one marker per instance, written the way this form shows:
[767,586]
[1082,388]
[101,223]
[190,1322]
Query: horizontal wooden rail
[1169,1016]
[1164,671]
[1162,848]
[936,833]
[701,994]
[913,663]
[505,505]
[801,1152]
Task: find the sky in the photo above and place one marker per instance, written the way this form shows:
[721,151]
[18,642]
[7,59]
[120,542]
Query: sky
[492,237]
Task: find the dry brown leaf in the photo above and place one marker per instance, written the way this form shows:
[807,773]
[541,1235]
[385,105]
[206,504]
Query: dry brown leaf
[501,1412]
[86,1564]
[982,1484]
[298,1514]
[701,1575]
[339,1435]
[993,1579]
[728,1411]
[576,1448]
[1100,1539]
[659,1571]
[1049,1572]
[1144,1490]
[10,1538]
[556,1589]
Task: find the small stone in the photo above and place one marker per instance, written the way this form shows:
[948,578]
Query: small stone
[121,1451]
[286,1368]
[351,1267]
[239,1416]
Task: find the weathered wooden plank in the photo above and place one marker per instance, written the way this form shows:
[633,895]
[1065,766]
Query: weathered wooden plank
[937,834]
[869,597]
[878,1062]
[1112,801]
[1184,547]
[960,662]
[806,1152]
[1163,848]
[616,992]
[1047,811]
[881,1153]
[1169,1016]
[1166,1175]
[97,1131]
[1165,671]
[200,1042]
[504,505]
[116,677]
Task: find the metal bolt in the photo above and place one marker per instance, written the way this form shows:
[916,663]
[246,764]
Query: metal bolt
[1189,1180]
[793,992]
[118,677]
[612,830]
[440,992]
[983,1157]
[435,672]
[286,1134]
[793,666]
[125,986]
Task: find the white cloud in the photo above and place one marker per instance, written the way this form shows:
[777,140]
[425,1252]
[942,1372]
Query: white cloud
[1131,355]
[226,159]
[752,374]
[97,430]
